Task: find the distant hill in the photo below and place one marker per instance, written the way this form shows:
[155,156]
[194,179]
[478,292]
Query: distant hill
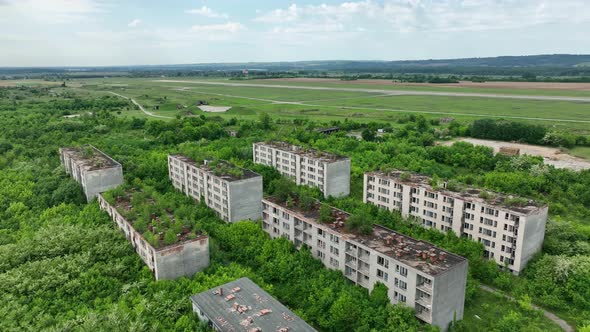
[542,65]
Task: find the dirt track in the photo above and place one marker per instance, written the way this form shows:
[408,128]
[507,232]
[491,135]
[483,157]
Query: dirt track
[461,84]
[552,156]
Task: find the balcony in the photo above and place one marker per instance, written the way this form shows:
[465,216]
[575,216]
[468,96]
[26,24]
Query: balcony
[424,315]
[424,301]
[352,252]
[363,282]
[364,269]
[425,287]
[363,256]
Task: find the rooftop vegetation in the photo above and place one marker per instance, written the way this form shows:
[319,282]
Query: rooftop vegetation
[162,219]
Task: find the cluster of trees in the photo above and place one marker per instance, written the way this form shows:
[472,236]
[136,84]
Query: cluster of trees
[504,130]
[81,273]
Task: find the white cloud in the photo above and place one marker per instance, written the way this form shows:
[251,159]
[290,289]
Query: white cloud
[55,11]
[134,23]
[426,15]
[229,27]
[207,12]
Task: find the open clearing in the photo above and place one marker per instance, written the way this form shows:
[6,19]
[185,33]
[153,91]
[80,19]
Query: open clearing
[11,83]
[461,84]
[354,104]
[551,156]
[214,109]
[390,92]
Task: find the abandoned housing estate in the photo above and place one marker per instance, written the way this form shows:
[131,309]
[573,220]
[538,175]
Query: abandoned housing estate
[94,170]
[328,172]
[510,228]
[426,278]
[232,192]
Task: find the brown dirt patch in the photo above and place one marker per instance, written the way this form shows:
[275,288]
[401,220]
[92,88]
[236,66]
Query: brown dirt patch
[551,156]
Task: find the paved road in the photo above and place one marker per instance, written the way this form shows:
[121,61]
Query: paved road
[563,324]
[393,110]
[388,92]
[141,107]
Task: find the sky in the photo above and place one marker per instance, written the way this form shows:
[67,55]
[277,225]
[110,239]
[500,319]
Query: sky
[138,32]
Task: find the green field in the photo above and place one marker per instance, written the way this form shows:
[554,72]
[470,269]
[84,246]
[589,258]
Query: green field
[580,151]
[488,310]
[247,102]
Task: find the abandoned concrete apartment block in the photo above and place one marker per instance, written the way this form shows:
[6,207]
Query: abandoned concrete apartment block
[184,258]
[241,305]
[329,172]
[232,192]
[512,229]
[92,168]
[418,274]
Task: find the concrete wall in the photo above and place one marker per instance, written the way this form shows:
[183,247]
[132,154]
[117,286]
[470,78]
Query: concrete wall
[183,259]
[232,200]
[530,238]
[245,199]
[102,180]
[337,175]
[171,262]
[449,296]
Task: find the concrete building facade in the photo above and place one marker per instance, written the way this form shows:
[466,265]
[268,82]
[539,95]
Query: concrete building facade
[328,172]
[170,262]
[232,197]
[241,305]
[93,169]
[511,229]
[430,280]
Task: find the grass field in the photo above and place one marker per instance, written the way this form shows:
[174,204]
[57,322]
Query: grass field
[487,309]
[247,102]
[443,88]
[580,151]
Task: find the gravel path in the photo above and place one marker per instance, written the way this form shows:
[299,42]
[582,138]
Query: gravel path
[141,107]
[563,324]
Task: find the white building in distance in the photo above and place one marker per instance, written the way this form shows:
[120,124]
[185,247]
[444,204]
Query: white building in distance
[326,171]
[93,169]
[232,192]
[511,229]
[430,280]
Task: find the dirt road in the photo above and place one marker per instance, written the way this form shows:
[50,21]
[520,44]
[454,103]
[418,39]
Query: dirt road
[563,324]
[551,156]
[387,92]
[141,107]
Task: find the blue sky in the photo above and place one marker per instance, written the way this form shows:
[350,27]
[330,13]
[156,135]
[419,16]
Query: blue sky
[108,32]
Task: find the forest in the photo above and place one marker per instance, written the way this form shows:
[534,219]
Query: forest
[65,266]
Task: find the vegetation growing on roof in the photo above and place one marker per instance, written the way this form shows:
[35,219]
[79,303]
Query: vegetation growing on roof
[162,219]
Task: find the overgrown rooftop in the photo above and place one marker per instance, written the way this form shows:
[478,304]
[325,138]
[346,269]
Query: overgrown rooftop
[90,157]
[305,152]
[163,220]
[218,167]
[509,202]
[418,254]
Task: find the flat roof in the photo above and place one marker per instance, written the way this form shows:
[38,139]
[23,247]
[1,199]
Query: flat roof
[303,151]
[155,222]
[218,164]
[421,255]
[241,305]
[469,194]
[90,157]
